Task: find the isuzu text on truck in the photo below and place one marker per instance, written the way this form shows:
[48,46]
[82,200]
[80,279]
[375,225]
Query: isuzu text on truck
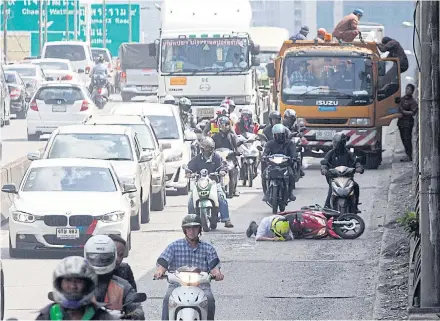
[206,54]
[338,88]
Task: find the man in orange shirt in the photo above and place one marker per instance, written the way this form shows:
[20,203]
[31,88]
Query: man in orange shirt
[347,29]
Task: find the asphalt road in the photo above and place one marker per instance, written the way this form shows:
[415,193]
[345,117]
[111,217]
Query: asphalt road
[302,279]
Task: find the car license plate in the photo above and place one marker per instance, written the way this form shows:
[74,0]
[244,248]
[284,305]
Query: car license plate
[145,88]
[325,134]
[59,108]
[67,233]
[205,112]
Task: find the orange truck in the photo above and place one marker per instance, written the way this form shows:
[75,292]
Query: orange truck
[338,87]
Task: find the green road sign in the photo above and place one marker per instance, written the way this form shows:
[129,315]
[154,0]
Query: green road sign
[24,16]
[51,36]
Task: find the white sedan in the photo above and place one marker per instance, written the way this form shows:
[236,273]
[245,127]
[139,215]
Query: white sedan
[61,203]
[58,70]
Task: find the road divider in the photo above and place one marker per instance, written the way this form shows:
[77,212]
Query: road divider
[11,173]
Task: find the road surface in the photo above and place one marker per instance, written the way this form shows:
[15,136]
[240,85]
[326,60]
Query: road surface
[302,279]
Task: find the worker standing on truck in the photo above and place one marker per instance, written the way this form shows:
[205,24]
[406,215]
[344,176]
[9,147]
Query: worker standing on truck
[321,35]
[301,35]
[347,29]
[395,51]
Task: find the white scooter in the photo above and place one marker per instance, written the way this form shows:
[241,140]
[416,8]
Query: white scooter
[251,156]
[188,302]
[229,182]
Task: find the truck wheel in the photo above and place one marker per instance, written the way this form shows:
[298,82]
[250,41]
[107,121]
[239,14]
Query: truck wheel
[373,160]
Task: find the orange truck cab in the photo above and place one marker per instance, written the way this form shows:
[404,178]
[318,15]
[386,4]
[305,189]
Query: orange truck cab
[338,87]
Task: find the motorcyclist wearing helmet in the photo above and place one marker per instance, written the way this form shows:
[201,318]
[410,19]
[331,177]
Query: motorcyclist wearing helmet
[185,112]
[347,30]
[290,122]
[281,145]
[74,283]
[339,155]
[192,252]
[272,228]
[101,252]
[321,35]
[212,126]
[122,269]
[170,100]
[246,124]
[99,69]
[301,35]
[212,162]
[274,118]
[225,138]
[231,108]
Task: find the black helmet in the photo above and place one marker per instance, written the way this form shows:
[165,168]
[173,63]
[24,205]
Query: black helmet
[275,117]
[191,220]
[290,115]
[339,141]
[304,29]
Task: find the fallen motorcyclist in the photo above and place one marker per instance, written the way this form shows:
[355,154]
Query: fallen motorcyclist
[210,161]
[272,228]
[339,155]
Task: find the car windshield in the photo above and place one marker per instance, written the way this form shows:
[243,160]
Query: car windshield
[165,127]
[326,77]
[54,65]
[104,53]
[60,93]
[205,55]
[69,52]
[24,72]
[144,135]
[96,146]
[69,179]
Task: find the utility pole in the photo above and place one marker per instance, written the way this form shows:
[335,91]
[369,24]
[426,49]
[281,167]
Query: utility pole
[67,20]
[40,26]
[5,31]
[104,25]
[75,19]
[45,20]
[129,21]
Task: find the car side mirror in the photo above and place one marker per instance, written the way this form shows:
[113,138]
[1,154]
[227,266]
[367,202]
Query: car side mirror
[165,145]
[28,85]
[152,50]
[34,156]
[190,136]
[10,189]
[50,79]
[145,157]
[128,188]
[139,297]
[270,67]
[255,61]
[397,100]
[323,162]
[80,71]
[255,50]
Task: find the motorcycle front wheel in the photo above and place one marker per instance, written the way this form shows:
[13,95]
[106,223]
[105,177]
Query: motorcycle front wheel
[204,217]
[250,174]
[274,198]
[349,223]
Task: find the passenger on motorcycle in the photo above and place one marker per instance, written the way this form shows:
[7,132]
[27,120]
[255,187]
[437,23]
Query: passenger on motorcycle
[274,118]
[123,270]
[99,69]
[212,126]
[74,282]
[226,139]
[271,228]
[339,155]
[100,251]
[280,145]
[290,122]
[190,251]
[185,112]
[231,108]
[210,161]
[246,124]
[170,100]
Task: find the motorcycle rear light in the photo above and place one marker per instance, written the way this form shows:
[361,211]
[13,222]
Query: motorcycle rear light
[99,91]
[15,93]
[87,71]
[67,77]
[85,105]
[33,106]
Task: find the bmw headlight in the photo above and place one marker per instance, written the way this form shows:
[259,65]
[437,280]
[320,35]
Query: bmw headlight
[174,157]
[113,217]
[23,217]
[203,182]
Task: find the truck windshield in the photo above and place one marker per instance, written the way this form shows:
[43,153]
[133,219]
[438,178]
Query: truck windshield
[344,77]
[204,55]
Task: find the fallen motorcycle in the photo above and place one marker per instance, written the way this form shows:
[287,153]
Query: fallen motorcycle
[316,222]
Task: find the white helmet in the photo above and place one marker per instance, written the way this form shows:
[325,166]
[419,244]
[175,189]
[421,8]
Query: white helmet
[169,100]
[74,267]
[100,251]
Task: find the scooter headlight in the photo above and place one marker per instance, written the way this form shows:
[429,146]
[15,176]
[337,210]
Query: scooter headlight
[203,182]
[278,160]
[341,191]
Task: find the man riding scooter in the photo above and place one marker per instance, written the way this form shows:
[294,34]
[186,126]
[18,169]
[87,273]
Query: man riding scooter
[246,124]
[210,161]
[226,139]
[185,113]
[292,125]
[280,145]
[99,69]
[339,155]
[212,127]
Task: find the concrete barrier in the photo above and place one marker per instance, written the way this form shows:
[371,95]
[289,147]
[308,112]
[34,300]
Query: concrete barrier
[12,173]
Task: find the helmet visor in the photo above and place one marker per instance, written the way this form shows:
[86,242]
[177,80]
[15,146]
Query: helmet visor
[101,259]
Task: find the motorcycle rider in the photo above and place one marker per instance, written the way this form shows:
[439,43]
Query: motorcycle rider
[292,125]
[190,251]
[339,155]
[347,28]
[274,118]
[101,252]
[123,270]
[74,282]
[212,126]
[185,112]
[246,124]
[99,69]
[170,100]
[301,35]
[210,161]
[280,145]
[231,108]
[272,228]
[226,139]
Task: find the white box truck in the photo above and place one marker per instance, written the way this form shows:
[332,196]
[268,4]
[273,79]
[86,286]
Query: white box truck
[206,54]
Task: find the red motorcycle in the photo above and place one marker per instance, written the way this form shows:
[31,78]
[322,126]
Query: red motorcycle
[316,222]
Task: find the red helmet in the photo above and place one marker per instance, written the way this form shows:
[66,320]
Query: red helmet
[322,31]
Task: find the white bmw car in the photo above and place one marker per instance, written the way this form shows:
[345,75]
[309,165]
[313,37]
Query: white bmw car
[61,203]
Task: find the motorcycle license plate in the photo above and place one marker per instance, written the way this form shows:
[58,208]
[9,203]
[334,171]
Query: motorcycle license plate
[325,134]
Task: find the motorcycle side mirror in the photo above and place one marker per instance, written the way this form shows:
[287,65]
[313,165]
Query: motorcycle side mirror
[260,148]
[323,162]
[302,129]
[50,296]
[138,298]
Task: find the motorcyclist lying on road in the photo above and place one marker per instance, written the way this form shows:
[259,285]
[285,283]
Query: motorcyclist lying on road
[185,113]
[284,146]
[290,122]
[246,124]
[74,282]
[271,228]
[226,139]
[123,270]
[339,155]
[190,251]
[210,161]
[99,69]
[101,252]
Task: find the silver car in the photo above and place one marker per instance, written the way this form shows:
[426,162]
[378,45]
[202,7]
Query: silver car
[30,73]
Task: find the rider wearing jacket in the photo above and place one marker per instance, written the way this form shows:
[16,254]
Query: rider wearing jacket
[246,124]
[292,125]
[100,251]
[74,282]
[185,112]
[212,162]
[339,155]
[99,69]
[212,126]
[274,118]
[281,145]
[122,269]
